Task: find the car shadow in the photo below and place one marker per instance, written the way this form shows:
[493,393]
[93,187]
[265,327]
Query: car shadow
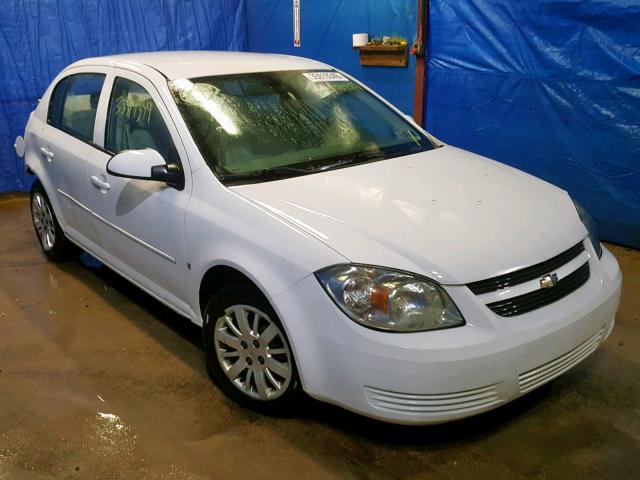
[105,282]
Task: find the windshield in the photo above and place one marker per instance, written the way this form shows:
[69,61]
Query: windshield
[265,126]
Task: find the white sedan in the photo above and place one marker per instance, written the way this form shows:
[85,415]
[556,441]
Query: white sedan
[324,241]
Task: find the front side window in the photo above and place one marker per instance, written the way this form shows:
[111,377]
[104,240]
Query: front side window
[74,103]
[135,123]
[269,125]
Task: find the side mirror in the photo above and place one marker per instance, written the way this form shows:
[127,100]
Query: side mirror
[170,173]
[145,164]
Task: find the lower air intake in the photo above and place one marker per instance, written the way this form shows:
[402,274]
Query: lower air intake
[547,372]
[443,403]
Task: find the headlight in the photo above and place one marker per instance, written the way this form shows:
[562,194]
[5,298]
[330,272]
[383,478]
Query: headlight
[591,228]
[389,300]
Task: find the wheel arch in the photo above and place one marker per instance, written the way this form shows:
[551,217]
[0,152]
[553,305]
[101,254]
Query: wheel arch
[219,276]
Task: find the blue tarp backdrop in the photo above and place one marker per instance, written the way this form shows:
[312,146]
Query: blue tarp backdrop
[38,38]
[548,86]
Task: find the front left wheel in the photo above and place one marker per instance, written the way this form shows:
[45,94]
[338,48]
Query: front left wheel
[248,352]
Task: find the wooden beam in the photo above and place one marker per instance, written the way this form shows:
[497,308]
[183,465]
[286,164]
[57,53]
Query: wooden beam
[421,41]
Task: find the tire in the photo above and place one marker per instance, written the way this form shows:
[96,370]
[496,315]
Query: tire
[250,360]
[55,245]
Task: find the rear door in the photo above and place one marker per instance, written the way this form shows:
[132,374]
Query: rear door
[140,223]
[65,145]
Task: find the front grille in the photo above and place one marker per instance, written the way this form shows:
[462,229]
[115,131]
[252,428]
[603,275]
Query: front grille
[544,296]
[526,274]
[544,373]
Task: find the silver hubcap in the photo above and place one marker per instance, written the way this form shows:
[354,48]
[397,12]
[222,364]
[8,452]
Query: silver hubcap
[43,221]
[253,352]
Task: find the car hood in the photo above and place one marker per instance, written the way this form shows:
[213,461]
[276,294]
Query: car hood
[448,214]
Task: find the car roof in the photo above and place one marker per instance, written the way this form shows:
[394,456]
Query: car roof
[192,64]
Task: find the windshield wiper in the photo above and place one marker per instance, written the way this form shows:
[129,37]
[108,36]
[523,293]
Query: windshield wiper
[265,174]
[286,171]
[353,159]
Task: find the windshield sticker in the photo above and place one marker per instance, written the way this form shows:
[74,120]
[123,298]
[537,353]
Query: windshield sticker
[325,77]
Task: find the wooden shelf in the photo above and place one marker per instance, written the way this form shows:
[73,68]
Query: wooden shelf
[383,55]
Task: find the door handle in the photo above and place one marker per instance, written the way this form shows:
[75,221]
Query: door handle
[47,153]
[102,185]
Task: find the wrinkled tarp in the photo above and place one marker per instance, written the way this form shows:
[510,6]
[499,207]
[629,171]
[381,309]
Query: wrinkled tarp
[38,38]
[325,33]
[549,86]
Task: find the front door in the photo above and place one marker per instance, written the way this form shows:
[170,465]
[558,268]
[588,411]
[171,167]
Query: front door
[140,223]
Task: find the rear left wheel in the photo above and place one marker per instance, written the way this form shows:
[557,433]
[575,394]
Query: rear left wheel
[54,243]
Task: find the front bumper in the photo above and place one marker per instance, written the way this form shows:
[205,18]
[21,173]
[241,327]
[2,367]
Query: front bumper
[433,377]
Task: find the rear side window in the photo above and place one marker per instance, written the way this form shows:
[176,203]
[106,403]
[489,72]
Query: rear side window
[74,103]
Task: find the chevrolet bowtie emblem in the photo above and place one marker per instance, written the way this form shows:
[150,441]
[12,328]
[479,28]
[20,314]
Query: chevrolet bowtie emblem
[549,280]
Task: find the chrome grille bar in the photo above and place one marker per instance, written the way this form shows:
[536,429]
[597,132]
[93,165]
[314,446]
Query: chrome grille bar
[525,274]
[544,296]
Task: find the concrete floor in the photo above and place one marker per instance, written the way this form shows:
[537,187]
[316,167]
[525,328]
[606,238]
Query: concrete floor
[97,380]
